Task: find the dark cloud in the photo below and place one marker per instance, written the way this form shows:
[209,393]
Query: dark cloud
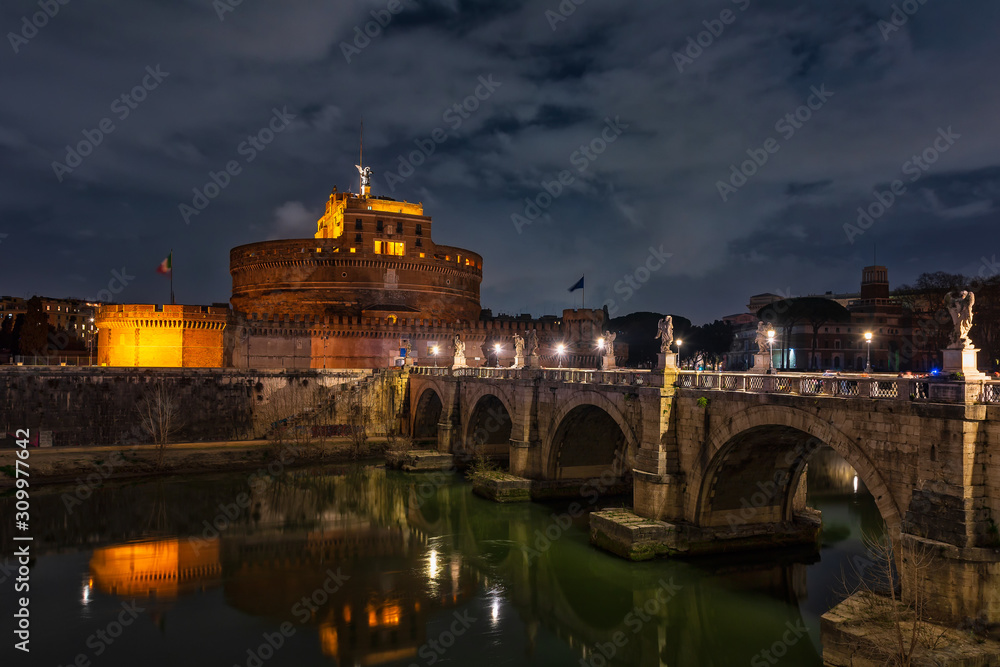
[655,185]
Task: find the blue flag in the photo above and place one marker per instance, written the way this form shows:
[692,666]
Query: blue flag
[578,285]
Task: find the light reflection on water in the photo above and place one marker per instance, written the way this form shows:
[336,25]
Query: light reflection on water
[444,578]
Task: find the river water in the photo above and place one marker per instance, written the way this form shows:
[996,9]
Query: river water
[359,566]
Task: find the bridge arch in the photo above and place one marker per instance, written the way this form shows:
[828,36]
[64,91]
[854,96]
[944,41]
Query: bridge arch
[756,460]
[489,424]
[596,432]
[427,413]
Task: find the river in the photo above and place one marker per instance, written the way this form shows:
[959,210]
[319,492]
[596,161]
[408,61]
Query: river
[358,566]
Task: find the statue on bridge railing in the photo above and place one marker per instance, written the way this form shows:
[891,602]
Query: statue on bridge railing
[459,361]
[532,343]
[518,352]
[960,307]
[531,347]
[665,332]
[762,343]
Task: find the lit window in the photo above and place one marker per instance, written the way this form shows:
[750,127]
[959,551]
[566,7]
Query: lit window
[389,248]
[421,257]
[354,249]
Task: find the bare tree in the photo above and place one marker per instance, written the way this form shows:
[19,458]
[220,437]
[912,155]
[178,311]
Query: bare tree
[160,415]
[359,415]
[878,602]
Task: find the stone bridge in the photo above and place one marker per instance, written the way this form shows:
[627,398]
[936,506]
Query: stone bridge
[716,460]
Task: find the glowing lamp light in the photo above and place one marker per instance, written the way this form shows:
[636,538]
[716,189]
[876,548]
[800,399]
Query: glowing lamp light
[868,336]
[600,343]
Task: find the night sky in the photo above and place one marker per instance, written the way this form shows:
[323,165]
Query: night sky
[680,114]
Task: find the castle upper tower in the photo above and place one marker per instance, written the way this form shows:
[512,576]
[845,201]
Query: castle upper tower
[370,256]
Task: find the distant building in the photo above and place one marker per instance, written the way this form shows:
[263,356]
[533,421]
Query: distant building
[842,345]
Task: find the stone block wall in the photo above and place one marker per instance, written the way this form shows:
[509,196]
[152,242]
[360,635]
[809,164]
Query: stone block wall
[100,406]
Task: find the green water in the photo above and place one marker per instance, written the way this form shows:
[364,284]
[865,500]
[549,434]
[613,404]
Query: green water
[400,569]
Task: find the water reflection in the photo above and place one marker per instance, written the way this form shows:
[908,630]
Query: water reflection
[421,578]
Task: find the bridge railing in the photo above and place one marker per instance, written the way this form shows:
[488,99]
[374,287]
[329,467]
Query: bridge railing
[625,377]
[882,387]
[878,387]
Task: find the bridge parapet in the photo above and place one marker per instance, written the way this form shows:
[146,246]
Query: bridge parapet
[884,387]
[631,377]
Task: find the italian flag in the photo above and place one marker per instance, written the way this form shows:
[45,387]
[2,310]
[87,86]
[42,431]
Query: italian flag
[167,264]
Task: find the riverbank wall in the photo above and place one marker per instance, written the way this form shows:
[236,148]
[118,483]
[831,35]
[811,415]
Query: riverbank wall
[63,406]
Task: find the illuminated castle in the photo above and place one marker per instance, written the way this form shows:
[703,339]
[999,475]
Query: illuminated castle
[371,257]
[370,288]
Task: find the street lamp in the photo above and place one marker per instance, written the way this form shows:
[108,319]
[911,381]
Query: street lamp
[496,348]
[770,348]
[679,343]
[868,339]
[90,344]
[560,350]
[434,353]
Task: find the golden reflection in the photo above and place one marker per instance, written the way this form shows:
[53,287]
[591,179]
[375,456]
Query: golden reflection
[159,568]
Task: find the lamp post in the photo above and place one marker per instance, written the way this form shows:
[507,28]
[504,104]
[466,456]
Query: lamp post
[868,340]
[434,353]
[90,344]
[770,348]
[496,349]
[679,343]
[560,351]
